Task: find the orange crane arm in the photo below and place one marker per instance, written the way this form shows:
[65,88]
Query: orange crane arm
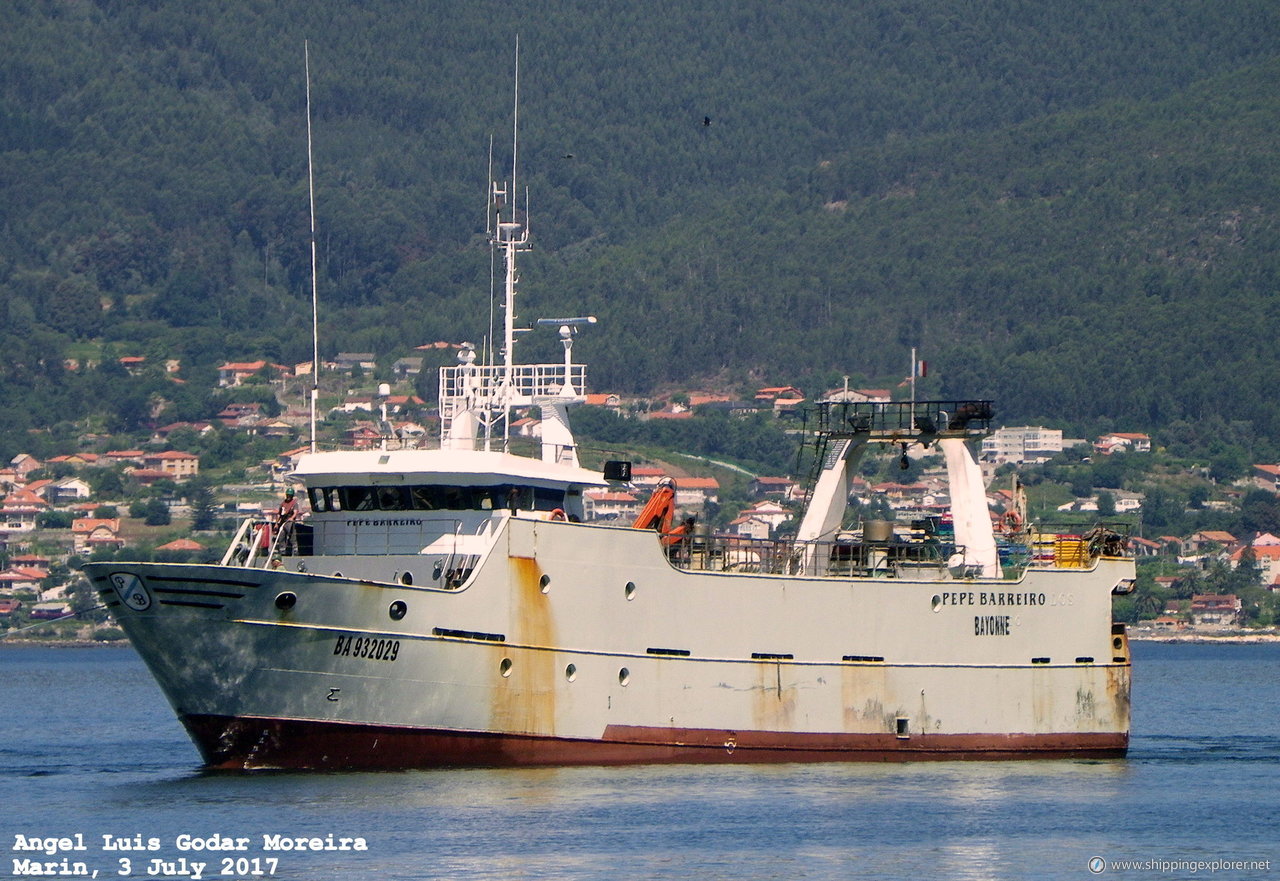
[659,511]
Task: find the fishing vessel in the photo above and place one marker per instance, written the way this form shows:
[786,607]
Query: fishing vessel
[456,606]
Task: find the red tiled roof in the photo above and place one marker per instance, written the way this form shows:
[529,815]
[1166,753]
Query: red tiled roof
[89,524]
[181,544]
[697,483]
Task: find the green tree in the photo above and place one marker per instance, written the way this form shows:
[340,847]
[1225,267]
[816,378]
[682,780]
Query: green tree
[156,513]
[1106,504]
[203,506]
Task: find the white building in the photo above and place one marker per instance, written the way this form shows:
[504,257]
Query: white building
[1025,444]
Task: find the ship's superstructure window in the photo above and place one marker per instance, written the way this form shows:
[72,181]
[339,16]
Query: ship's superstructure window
[436,498]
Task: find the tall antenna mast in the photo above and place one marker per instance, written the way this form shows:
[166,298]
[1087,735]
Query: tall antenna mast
[515,131]
[489,219]
[315,305]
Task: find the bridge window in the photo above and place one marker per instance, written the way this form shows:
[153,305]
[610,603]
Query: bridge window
[431,497]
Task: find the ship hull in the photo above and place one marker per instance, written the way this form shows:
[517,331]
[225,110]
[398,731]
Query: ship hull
[228,743]
[580,644]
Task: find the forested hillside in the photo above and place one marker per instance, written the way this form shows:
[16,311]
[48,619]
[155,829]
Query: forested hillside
[1069,207]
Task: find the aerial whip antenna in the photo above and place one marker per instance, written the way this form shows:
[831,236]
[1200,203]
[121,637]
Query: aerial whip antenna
[315,306]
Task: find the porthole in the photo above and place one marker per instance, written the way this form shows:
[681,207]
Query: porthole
[406,578]
[505,667]
[1117,643]
[286,601]
[571,672]
[936,602]
[397,610]
[630,590]
[624,676]
[544,583]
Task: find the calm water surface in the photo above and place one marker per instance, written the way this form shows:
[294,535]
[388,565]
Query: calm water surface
[88,745]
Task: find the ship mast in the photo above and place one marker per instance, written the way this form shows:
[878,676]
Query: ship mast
[315,305]
[474,398]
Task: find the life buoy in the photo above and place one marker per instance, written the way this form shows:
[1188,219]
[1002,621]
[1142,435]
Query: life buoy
[558,514]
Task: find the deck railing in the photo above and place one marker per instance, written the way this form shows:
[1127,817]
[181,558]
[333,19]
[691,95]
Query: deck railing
[892,559]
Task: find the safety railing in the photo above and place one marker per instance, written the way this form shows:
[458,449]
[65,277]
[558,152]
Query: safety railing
[892,559]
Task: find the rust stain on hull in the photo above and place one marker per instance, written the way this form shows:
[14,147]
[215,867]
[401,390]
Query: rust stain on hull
[774,703]
[525,700]
[862,689]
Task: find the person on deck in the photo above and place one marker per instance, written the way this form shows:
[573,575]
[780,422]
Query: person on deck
[286,520]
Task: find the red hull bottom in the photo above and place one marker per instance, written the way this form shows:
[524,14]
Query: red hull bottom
[243,743]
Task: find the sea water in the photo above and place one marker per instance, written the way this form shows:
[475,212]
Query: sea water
[91,755]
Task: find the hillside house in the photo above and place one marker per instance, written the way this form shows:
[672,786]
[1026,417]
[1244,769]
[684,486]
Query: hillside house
[124,457]
[50,611]
[68,489]
[161,434]
[1216,610]
[694,492]
[403,368]
[860,395]
[363,436]
[1267,477]
[177,464]
[19,510]
[80,460]
[771,487]
[609,400]
[284,464]
[1207,540]
[768,511]
[234,373]
[1022,444]
[23,464]
[354,404]
[277,429]
[1265,557]
[90,533]
[29,561]
[527,427]
[348,362]
[1126,441]
[148,476]
[611,505]
[400,405]
[783,392]
[1145,547]
[241,416]
[749,526]
[786,399]
[647,476]
[17,578]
